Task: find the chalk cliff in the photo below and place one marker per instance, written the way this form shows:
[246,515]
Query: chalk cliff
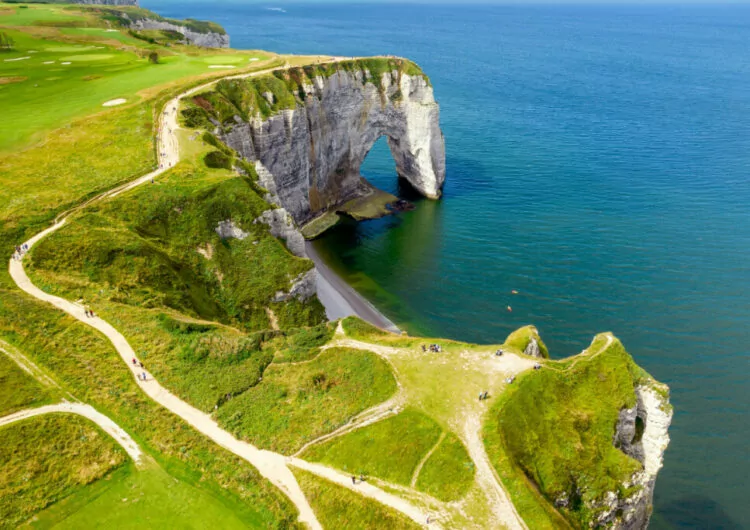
[641,433]
[308,130]
[207,39]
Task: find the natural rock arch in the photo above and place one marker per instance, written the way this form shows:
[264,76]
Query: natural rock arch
[310,156]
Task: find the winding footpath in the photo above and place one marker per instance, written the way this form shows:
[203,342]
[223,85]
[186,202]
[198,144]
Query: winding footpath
[272,466]
[89,412]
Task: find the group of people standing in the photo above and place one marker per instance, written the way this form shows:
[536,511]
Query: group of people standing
[436,348]
[20,251]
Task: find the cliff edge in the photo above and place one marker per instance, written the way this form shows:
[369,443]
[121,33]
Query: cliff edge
[308,129]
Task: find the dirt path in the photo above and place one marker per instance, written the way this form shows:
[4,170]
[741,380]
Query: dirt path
[417,515]
[27,365]
[272,466]
[470,428]
[425,458]
[87,411]
[372,415]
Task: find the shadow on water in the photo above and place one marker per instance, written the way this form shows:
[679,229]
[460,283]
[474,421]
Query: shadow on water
[694,511]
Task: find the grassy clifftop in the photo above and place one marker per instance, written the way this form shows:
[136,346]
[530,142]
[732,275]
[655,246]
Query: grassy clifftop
[283,89]
[551,434]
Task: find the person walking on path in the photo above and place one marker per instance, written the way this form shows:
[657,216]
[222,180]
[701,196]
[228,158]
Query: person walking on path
[354,480]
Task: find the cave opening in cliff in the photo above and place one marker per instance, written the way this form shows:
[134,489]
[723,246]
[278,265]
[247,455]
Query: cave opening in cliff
[379,169]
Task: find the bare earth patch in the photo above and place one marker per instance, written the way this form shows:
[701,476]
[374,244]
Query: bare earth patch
[12,79]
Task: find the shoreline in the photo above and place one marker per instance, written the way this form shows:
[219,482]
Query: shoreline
[340,299]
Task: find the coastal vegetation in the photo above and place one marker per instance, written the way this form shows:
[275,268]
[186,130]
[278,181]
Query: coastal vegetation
[284,89]
[297,403]
[542,462]
[406,448]
[207,311]
[18,390]
[337,507]
[48,458]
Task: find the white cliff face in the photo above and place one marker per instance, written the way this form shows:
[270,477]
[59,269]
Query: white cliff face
[204,40]
[642,434]
[310,156]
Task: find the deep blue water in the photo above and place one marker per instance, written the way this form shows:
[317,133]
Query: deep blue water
[598,162]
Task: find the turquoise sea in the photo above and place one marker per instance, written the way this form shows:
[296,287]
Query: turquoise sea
[598,161]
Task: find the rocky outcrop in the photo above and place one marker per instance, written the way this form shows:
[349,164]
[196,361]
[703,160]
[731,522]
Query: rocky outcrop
[303,287]
[196,38]
[532,348]
[641,433]
[281,226]
[309,154]
[229,230]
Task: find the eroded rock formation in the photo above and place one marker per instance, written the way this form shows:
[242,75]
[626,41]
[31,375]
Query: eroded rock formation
[207,39]
[641,433]
[309,154]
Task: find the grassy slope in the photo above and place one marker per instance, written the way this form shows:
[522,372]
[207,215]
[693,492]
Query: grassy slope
[298,403]
[555,427]
[74,163]
[17,389]
[336,507]
[87,366]
[393,448]
[520,338]
[47,458]
[141,498]
[390,449]
[103,66]
[449,472]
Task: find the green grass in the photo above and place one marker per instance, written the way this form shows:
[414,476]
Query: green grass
[358,329]
[303,344]
[143,250]
[247,97]
[520,339]
[18,390]
[556,428]
[392,449]
[449,473]
[141,498]
[104,66]
[86,365]
[298,403]
[337,507]
[48,458]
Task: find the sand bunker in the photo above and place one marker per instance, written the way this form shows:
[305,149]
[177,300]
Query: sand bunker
[68,62]
[220,66]
[48,62]
[7,80]
[114,102]
[253,59]
[16,59]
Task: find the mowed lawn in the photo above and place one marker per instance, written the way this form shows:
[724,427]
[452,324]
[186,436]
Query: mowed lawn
[145,498]
[56,75]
